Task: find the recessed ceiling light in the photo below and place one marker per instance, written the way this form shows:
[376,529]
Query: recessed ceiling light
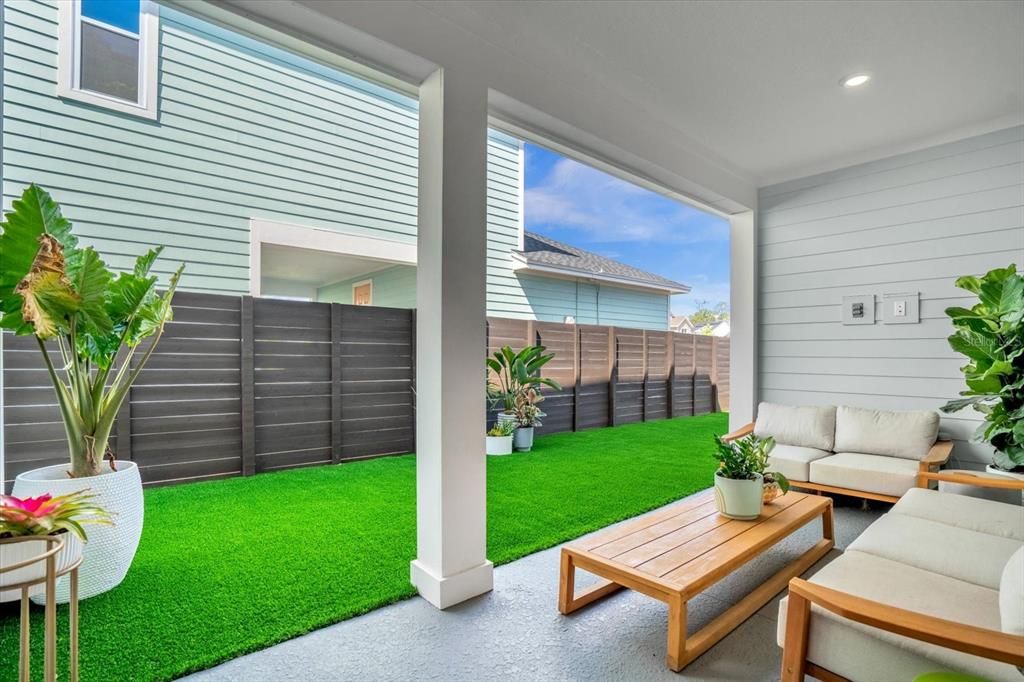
[855,81]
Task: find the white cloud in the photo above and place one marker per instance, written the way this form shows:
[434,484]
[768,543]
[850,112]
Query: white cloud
[608,209]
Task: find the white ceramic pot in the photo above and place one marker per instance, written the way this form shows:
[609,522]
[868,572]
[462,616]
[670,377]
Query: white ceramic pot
[499,445]
[523,438]
[109,552]
[16,552]
[739,499]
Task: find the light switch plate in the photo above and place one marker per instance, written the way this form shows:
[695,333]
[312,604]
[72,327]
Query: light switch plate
[907,303]
[859,309]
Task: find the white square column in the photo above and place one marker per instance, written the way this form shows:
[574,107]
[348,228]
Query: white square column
[743,319]
[451,476]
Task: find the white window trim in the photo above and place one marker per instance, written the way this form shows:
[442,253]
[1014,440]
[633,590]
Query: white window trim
[68,53]
[360,284]
[278,233]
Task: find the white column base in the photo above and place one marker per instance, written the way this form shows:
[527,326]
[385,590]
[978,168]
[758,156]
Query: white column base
[453,589]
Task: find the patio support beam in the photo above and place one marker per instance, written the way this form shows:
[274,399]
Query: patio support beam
[743,304]
[451,512]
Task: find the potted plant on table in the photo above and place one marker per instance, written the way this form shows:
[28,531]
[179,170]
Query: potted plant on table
[528,416]
[512,373]
[90,326]
[499,438]
[991,335]
[62,517]
[740,482]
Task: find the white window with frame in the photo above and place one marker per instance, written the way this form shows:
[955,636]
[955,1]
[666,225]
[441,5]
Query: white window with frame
[108,54]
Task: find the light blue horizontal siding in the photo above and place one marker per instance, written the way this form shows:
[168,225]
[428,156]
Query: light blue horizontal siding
[551,300]
[393,287]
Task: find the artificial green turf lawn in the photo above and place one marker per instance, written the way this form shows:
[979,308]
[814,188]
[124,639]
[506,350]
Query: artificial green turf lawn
[232,566]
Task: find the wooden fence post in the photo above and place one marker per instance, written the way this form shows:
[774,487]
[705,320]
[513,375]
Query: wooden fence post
[335,383]
[643,385]
[613,375]
[670,389]
[248,379]
[714,375]
[577,372]
[693,379]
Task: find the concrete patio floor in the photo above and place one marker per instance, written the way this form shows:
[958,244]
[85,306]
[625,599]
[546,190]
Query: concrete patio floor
[516,633]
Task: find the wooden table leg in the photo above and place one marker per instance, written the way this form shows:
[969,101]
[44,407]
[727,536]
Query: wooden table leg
[827,523]
[568,599]
[24,655]
[676,657]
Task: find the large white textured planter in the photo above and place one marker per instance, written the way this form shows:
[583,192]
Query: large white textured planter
[739,499]
[109,552]
[15,553]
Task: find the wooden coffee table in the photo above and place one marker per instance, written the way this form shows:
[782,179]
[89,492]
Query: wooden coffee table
[676,553]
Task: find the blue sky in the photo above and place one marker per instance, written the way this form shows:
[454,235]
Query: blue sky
[585,207]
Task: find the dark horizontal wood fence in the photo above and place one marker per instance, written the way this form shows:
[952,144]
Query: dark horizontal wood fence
[240,385]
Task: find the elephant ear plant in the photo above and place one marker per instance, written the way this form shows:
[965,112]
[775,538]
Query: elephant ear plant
[57,291]
[991,335]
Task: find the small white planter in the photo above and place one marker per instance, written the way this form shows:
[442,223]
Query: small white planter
[506,418]
[109,552]
[523,438]
[499,445]
[739,499]
[16,552]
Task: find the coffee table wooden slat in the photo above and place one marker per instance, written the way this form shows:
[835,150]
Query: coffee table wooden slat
[675,553]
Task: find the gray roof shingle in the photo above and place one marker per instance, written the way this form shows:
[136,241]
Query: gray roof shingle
[546,252]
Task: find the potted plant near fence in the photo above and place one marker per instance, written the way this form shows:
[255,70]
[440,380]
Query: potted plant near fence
[991,335]
[90,326]
[64,517]
[514,371]
[528,416]
[740,487]
[499,438]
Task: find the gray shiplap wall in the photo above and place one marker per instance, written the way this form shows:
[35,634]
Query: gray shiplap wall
[912,222]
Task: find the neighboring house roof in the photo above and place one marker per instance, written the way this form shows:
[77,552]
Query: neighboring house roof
[679,322]
[717,328]
[545,255]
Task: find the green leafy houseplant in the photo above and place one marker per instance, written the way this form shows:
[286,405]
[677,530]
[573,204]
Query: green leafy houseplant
[526,408]
[991,335]
[745,458]
[515,371]
[52,288]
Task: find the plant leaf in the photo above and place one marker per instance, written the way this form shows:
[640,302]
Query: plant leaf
[90,278]
[48,297]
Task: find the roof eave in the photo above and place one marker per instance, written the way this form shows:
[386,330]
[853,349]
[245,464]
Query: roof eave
[520,264]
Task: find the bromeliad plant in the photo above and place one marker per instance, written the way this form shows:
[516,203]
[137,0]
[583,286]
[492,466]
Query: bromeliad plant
[47,515]
[52,288]
[514,372]
[991,335]
[745,458]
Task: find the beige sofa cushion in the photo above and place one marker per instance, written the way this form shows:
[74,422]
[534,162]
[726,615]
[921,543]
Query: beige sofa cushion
[966,555]
[1011,594]
[970,513]
[871,473]
[793,461]
[806,427]
[877,432]
[860,652]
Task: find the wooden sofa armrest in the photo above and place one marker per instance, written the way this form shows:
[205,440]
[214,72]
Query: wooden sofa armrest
[739,433]
[937,456]
[969,639]
[1004,483]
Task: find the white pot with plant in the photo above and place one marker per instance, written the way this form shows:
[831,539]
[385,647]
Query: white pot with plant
[511,373]
[65,296]
[528,416]
[740,488]
[499,438]
[45,516]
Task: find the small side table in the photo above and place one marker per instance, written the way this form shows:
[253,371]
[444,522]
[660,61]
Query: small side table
[53,547]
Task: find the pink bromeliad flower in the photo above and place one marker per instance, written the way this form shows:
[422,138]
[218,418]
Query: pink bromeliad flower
[47,515]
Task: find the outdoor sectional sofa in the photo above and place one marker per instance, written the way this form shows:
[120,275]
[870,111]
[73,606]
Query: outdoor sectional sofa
[873,454]
[936,584]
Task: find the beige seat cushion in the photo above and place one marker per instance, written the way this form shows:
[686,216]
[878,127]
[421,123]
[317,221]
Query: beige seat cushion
[1011,594]
[805,427]
[865,654]
[909,435]
[870,473]
[793,461]
[970,513]
[959,553]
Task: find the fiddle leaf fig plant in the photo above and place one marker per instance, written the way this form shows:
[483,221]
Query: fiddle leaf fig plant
[55,290]
[991,335]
